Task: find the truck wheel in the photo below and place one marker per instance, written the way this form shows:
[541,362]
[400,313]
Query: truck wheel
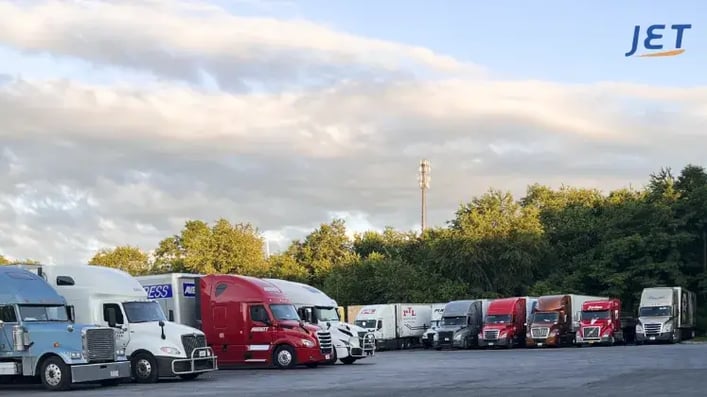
[144,368]
[334,357]
[348,360]
[55,374]
[284,357]
[191,376]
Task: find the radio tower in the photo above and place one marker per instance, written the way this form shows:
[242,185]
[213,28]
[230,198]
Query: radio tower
[424,180]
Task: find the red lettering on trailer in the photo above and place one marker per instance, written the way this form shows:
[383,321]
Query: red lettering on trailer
[408,312]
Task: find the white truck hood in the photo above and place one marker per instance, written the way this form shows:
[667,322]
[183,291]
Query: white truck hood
[148,336]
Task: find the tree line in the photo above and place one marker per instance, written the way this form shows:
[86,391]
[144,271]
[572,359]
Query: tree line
[565,240]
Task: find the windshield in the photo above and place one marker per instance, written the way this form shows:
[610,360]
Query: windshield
[326,314]
[284,312]
[588,316]
[458,320]
[142,312]
[43,313]
[369,324]
[654,311]
[549,317]
[498,319]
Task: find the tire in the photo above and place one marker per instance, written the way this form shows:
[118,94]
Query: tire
[348,360]
[110,382]
[55,374]
[191,376]
[144,368]
[334,357]
[284,357]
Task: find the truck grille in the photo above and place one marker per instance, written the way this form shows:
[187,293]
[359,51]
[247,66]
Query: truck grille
[191,342]
[591,332]
[652,329]
[324,341]
[491,334]
[542,332]
[445,337]
[100,344]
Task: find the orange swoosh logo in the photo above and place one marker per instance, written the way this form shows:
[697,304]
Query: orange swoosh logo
[664,53]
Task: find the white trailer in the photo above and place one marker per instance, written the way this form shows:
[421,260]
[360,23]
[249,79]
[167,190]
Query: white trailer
[351,342]
[157,348]
[176,293]
[666,314]
[395,325]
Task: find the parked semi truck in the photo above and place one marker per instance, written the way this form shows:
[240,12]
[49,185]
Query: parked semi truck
[157,348]
[461,323]
[602,322]
[506,320]
[666,314]
[350,342]
[427,339]
[38,337]
[556,319]
[247,320]
[397,325]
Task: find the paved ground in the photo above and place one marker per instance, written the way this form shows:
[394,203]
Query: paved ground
[607,371]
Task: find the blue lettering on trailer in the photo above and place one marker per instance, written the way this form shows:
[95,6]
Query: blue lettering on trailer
[160,291]
[189,289]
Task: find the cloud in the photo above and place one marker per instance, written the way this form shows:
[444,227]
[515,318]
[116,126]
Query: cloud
[86,164]
[193,40]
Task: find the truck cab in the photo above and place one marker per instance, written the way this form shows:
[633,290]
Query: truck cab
[248,320]
[350,342]
[460,323]
[428,337]
[504,324]
[157,348]
[600,323]
[38,337]
[665,314]
[551,319]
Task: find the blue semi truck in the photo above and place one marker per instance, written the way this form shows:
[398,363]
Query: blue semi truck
[38,337]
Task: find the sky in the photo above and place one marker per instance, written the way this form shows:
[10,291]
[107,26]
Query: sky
[122,120]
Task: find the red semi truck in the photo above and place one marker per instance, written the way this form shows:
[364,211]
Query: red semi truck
[248,320]
[601,323]
[505,322]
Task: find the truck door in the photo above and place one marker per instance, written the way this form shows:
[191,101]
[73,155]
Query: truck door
[8,318]
[259,336]
[114,317]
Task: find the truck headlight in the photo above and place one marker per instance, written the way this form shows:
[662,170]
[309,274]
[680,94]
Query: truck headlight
[639,328]
[667,327]
[307,343]
[435,336]
[120,352]
[354,341]
[75,355]
[458,337]
[170,350]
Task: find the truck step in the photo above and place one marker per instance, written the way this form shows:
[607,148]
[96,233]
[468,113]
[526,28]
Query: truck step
[9,369]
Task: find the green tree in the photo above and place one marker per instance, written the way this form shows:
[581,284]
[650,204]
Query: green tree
[4,261]
[222,248]
[127,258]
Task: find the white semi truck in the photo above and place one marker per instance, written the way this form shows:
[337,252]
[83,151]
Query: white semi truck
[315,307]
[395,325]
[157,348]
[428,337]
[666,314]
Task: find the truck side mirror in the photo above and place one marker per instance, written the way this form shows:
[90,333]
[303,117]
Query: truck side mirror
[65,280]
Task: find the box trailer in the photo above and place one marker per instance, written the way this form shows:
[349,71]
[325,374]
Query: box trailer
[396,325]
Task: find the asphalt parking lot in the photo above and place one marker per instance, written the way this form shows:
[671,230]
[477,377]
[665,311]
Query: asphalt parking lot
[609,371]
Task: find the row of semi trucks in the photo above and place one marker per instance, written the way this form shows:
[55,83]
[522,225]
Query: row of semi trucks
[67,324]
[664,314]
